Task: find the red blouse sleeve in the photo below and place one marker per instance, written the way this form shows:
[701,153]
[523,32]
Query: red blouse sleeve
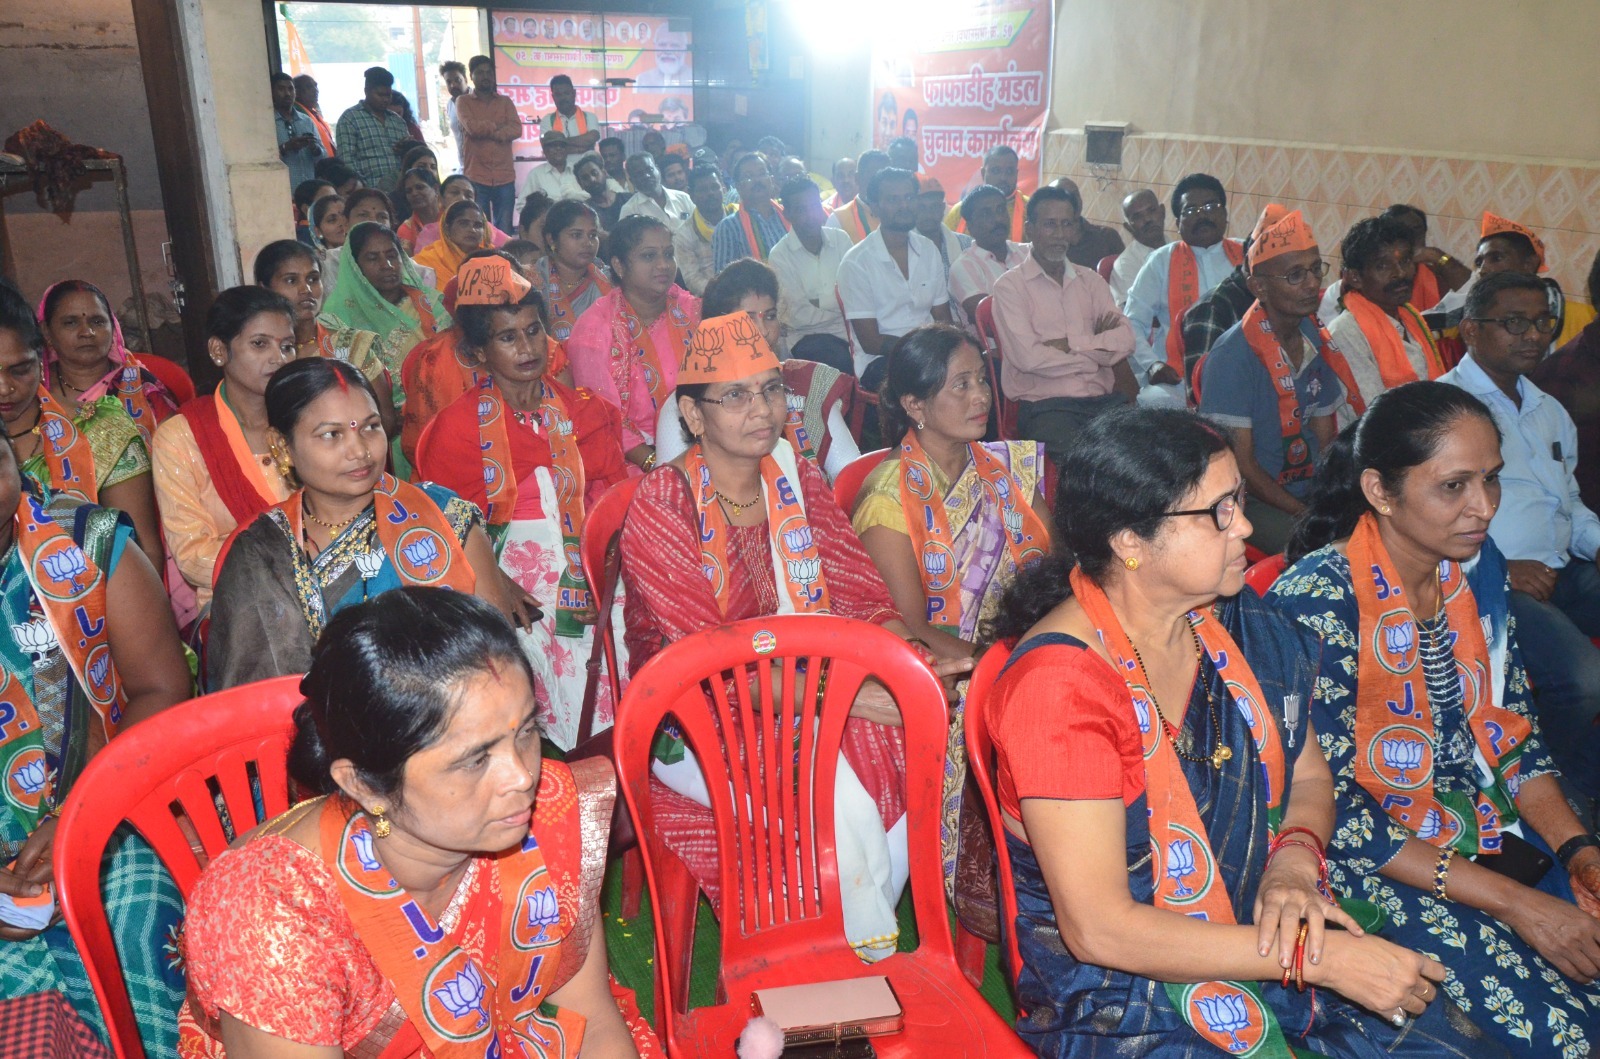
[855,588]
[267,940]
[448,454]
[1063,728]
[599,427]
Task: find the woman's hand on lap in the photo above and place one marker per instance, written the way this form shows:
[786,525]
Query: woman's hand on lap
[1378,975]
[1287,895]
[1562,933]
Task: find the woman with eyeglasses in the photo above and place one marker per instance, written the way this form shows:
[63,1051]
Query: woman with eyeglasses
[741,526]
[1165,802]
[1448,802]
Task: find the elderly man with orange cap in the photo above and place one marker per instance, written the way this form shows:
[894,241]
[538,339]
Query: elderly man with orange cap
[1269,382]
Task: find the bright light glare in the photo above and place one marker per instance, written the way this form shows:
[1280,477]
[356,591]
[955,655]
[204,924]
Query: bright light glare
[835,26]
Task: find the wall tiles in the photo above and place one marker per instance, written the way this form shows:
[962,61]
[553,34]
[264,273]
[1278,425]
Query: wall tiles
[1335,187]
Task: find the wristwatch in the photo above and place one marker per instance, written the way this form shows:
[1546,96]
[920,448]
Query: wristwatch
[1571,846]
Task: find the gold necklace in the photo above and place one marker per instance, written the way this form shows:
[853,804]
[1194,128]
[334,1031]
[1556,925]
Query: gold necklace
[738,508]
[331,527]
[1220,753]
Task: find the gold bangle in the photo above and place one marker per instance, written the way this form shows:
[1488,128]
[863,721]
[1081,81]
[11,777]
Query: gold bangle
[649,462]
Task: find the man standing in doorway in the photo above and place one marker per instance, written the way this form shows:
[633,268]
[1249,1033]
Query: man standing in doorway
[369,130]
[305,97]
[581,129]
[490,123]
[454,75]
[297,137]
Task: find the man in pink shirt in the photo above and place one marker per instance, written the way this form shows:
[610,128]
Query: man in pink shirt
[1064,345]
[489,126]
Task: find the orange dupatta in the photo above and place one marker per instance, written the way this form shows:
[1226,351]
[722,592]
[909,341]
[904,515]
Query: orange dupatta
[1180,848]
[932,540]
[1390,353]
[1425,293]
[66,451]
[626,331]
[1296,450]
[1183,290]
[853,219]
[758,246]
[1396,736]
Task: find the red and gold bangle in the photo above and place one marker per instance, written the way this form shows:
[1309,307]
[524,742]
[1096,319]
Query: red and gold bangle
[1300,956]
[1284,833]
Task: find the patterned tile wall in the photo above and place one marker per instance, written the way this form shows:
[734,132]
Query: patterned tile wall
[1335,187]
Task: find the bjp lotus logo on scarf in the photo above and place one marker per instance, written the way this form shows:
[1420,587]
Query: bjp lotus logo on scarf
[455,1006]
[918,479]
[492,475]
[1226,1015]
[1394,641]
[358,862]
[60,433]
[370,563]
[100,676]
[1402,757]
[65,568]
[27,776]
[488,409]
[1185,856]
[36,638]
[800,559]
[939,566]
[424,557]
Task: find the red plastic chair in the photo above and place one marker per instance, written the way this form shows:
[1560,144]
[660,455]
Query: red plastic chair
[171,375]
[1007,409]
[848,485]
[781,921]
[599,545]
[171,760]
[980,761]
[1105,265]
[1261,574]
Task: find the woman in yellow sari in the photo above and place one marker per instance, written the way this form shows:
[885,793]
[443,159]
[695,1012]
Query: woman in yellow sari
[463,228]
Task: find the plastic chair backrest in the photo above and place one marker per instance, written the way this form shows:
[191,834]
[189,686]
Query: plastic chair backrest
[1261,575]
[231,745]
[599,544]
[1105,265]
[1006,409]
[848,485]
[980,761]
[780,916]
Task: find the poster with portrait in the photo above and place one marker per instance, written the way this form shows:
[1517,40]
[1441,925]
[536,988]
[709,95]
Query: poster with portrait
[964,82]
[532,47]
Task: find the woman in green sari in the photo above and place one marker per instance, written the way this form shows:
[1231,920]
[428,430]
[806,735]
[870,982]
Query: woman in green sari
[54,684]
[379,289]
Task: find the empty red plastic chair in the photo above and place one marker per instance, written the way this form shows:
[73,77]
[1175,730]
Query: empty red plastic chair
[847,486]
[990,335]
[1104,266]
[1261,574]
[235,741]
[770,771]
[980,761]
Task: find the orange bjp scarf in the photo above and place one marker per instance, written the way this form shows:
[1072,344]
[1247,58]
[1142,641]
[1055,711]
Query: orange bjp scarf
[66,451]
[1390,353]
[1183,290]
[932,540]
[1297,463]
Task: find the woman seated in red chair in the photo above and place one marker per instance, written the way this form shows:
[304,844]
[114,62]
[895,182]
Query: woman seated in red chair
[347,533]
[532,454]
[1165,800]
[441,895]
[740,526]
[67,567]
[817,393]
[949,520]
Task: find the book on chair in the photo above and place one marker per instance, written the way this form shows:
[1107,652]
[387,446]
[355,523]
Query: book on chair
[831,1012]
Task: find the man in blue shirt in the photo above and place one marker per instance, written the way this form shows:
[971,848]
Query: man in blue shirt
[298,145]
[1549,537]
[1275,396]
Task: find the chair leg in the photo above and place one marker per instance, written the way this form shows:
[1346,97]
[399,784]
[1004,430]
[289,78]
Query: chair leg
[632,882]
[970,953]
[680,901]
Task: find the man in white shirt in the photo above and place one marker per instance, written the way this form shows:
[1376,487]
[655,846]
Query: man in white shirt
[1145,220]
[807,264]
[554,176]
[691,243]
[893,280]
[581,128]
[650,198]
[454,74]
[1203,257]
[988,217]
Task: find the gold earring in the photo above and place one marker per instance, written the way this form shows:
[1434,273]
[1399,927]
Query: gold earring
[380,823]
[1131,562]
[282,461]
[1384,510]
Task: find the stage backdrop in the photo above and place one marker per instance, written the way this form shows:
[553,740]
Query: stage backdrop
[531,47]
[964,80]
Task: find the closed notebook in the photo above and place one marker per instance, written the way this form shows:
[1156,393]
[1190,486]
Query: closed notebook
[852,1007]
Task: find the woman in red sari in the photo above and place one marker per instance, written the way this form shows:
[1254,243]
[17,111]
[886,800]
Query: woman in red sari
[741,480]
[418,732]
[532,454]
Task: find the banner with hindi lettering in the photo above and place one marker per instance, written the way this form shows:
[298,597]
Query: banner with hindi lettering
[531,47]
[962,82]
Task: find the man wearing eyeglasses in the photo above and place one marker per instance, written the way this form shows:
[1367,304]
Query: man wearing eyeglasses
[1269,382]
[1506,246]
[1173,279]
[1381,334]
[1549,536]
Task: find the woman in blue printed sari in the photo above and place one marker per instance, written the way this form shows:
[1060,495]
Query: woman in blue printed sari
[349,532]
[1164,804]
[1449,805]
[62,704]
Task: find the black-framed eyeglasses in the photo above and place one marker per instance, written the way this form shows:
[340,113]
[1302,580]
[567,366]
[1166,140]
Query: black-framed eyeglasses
[1518,325]
[1221,513]
[1296,276]
[738,399]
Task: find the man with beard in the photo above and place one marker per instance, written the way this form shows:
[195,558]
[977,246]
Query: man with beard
[1175,277]
[892,281]
[1277,350]
[691,243]
[807,264]
[1381,334]
[1095,241]
[1145,220]
[305,97]
[930,224]
[991,255]
[1066,346]
[999,169]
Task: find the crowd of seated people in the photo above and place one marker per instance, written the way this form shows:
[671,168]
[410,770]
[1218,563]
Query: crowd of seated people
[1351,816]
